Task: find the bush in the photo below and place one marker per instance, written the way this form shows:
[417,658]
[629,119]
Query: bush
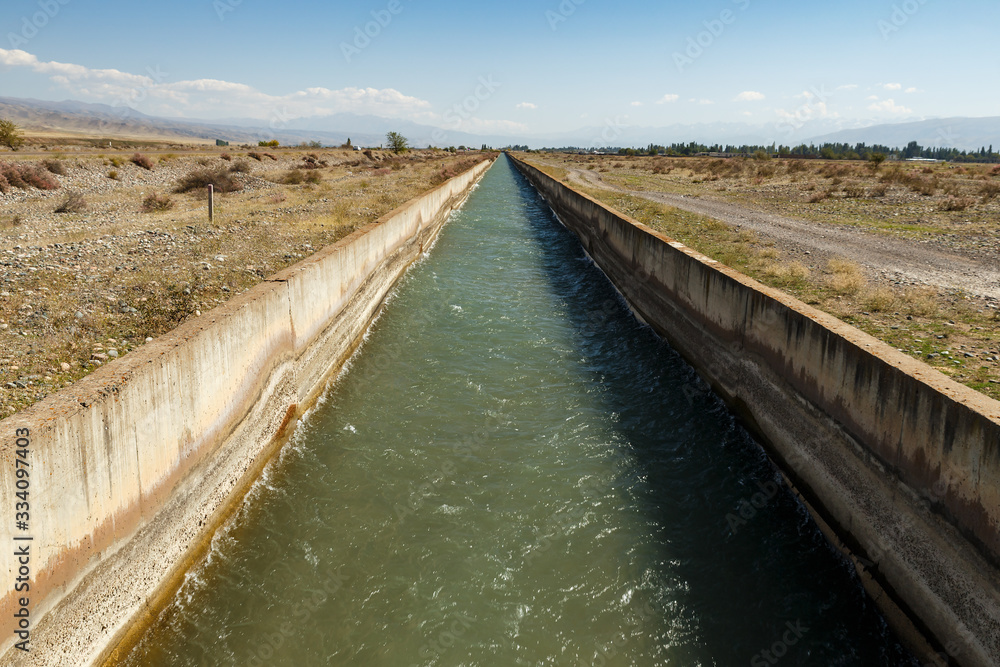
[256,156]
[240,167]
[820,196]
[956,204]
[200,179]
[116,162]
[113,175]
[56,167]
[141,160]
[298,177]
[25,176]
[271,155]
[73,203]
[226,156]
[156,202]
[989,191]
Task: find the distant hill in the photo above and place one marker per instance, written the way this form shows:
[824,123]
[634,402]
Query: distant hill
[101,120]
[961,133]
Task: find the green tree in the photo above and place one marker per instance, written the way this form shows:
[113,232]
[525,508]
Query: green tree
[875,161]
[10,135]
[397,143]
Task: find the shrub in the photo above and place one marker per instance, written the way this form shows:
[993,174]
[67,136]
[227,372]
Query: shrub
[157,202]
[226,156]
[256,156]
[271,155]
[73,203]
[989,190]
[956,204]
[116,162]
[200,179]
[113,175]
[143,161]
[25,176]
[298,177]
[56,167]
[854,191]
[240,167]
[822,195]
[996,170]
[879,190]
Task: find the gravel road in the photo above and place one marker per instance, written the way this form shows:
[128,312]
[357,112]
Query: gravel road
[897,260]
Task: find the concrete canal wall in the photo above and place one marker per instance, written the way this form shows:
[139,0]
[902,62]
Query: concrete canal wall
[900,464]
[133,468]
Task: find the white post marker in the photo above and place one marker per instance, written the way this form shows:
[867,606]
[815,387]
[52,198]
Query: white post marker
[211,203]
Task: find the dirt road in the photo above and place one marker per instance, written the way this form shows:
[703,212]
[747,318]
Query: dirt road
[897,260]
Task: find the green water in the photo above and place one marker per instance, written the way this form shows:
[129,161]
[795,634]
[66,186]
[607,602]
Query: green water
[513,471]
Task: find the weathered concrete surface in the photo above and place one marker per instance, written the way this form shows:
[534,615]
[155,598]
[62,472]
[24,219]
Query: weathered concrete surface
[901,462]
[133,467]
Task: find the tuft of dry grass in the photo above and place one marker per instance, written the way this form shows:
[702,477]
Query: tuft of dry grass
[880,300]
[845,277]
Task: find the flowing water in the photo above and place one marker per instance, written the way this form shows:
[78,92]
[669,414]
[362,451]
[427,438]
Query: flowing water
[514,471]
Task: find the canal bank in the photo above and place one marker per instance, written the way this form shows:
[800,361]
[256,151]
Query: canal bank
[134,467]
[513,470]
[902,463]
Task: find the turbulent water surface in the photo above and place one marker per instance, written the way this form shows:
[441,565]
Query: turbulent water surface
[515,472]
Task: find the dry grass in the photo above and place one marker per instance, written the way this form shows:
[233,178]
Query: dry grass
[844,276]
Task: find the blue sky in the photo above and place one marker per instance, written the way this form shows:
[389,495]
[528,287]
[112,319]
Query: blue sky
[514,67]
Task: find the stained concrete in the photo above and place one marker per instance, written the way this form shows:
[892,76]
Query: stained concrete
[899,462]
[134,467]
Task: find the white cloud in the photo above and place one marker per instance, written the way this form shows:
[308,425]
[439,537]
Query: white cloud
[527,105]
[637,104]
[890,106]
[893,86]
[849,86]
[749,96]
[912,90]
[872,98]
[668,98]
[213,98]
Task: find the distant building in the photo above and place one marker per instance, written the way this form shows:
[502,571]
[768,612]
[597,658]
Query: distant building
[220,142]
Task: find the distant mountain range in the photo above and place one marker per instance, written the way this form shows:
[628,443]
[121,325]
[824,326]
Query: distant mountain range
[122,122]
[961,133]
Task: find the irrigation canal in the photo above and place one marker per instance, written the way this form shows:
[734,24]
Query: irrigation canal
[514,471]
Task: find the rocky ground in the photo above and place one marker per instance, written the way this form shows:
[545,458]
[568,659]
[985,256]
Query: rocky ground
[79,289]
[909,253]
